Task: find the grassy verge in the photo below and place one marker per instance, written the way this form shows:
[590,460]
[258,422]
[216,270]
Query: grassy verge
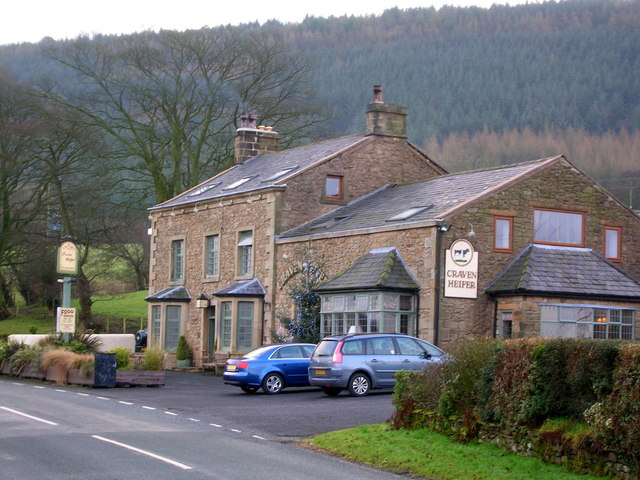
[130,306]
[433,456]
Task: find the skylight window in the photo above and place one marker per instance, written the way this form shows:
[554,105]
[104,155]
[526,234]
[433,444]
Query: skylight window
[279,174]
[330,223]
[237,183]
[410,212]
[203,189]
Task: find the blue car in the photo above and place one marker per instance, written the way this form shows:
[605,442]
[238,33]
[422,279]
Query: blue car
[271,367]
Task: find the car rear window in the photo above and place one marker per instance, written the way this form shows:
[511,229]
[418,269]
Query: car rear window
[326,348]
[353,347]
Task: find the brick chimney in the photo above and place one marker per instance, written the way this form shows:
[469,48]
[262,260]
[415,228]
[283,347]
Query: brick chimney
[251,140]
[386,119]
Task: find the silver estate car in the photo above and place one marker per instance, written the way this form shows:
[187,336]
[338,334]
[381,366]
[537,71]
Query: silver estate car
[360,362]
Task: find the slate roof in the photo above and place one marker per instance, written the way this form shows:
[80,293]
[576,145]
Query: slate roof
[170,294]
[438,198]
[379,269]
[564,271]
[261,170]
[248,288]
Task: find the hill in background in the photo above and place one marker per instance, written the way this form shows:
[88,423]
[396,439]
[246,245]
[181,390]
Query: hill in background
[483,86]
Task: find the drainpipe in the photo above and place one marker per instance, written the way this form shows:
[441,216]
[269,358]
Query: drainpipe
[440,229]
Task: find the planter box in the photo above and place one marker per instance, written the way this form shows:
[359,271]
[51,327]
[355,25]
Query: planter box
[30,372]
[74,376]
[143,378]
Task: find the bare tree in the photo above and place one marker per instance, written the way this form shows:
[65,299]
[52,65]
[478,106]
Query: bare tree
[170,101]
[22,184]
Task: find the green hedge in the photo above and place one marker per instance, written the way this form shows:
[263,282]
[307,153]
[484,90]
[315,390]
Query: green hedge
[514,387]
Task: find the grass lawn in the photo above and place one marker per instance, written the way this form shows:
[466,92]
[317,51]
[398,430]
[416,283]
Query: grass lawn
[130,306]
[436,457]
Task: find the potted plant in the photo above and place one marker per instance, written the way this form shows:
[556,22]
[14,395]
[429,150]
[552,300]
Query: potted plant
[149,373]
[183,353]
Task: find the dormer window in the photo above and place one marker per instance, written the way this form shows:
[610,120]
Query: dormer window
[333,187]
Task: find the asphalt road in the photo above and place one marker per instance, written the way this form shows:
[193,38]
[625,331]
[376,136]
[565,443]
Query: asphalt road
[295,413]
[184,430]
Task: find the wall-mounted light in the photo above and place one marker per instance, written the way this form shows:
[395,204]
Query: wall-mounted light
[444,227]
[471,233]
[202,301]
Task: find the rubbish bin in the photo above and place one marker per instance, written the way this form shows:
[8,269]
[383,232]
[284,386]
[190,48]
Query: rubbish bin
[105,370]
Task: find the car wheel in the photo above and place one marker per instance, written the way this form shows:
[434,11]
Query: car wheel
[249,389]
[272,383]
[359,385]
[331,391]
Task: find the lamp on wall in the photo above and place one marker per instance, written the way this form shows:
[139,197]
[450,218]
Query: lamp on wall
[471,233]
[444,227]
[202,301]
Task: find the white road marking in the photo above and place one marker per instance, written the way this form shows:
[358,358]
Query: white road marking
[171,413]
[38,386]
[143,452]
[103,398]
[148,408]
[28,416]
[236,430]
[215,425]
[194,419]
[17,383]
[125,403]
[60,390]
[83,394]
[258,437]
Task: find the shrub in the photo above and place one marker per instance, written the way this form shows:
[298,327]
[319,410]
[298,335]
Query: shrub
[415,396]
[26,357]
[64,360]
[123,357]
[153,359]
[183,352]
[7,349]
[78,342]
[620,413]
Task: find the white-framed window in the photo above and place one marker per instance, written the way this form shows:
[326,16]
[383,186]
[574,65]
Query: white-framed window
[370,312]
[156,324]
[506,324]
[177,260]
[244,330]
[212,255]
[612,243]
[245,253]
[166,323]
[586,321]
[333,187]
[503,237]
[558,227]
[225,325]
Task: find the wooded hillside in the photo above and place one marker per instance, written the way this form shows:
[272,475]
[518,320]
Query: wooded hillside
[483,86]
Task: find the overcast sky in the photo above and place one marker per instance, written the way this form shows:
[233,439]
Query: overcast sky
[32,20]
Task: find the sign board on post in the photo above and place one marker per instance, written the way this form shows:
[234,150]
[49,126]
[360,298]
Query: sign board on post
[66,320]
[68,258]
[461,270]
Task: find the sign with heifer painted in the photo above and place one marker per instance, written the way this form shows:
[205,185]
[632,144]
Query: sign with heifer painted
[461,270]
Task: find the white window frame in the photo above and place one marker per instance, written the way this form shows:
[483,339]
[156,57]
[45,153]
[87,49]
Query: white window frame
[613,243]
[212,256]
[587,321]
[245,253]
[553,227]
[177,260]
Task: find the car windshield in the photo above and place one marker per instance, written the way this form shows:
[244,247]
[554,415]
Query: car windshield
[326,347]
[257,352]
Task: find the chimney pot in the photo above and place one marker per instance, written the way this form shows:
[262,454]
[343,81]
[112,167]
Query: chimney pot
[377,94]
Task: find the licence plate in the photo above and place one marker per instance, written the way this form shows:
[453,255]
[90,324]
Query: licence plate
[321,372]
[231,368]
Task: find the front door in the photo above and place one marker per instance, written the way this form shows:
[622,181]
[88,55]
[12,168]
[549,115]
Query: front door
[211,331]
